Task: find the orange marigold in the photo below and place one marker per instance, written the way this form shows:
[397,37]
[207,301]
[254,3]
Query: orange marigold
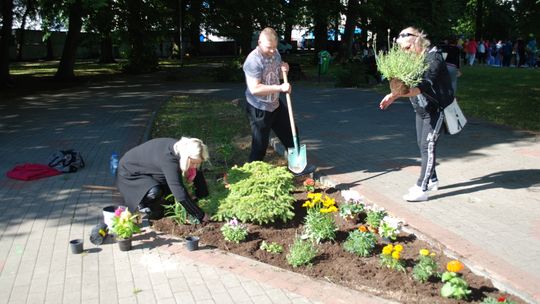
[362,228]
[454,266]
[309,182]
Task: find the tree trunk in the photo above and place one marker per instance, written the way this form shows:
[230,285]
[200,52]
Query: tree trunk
[479,20]
[195,28]
[5,32]
[20,42]
[69,54]
[350,26]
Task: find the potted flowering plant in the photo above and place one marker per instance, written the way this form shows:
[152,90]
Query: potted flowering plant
[403,69]
[124,226]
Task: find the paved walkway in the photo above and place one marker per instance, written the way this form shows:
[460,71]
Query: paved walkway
[38,218]
[486,212]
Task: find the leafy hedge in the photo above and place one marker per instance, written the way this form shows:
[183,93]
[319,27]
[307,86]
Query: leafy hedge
[259,193]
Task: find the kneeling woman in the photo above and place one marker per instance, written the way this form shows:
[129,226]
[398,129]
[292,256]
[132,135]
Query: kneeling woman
[152,170]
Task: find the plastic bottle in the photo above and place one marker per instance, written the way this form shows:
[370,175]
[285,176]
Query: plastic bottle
[114,163]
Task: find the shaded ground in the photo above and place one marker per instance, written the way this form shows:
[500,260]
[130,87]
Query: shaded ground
[333,263]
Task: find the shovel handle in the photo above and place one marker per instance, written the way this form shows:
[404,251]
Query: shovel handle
[291,114]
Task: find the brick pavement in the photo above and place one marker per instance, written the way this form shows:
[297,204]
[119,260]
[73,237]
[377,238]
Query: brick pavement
[38,218]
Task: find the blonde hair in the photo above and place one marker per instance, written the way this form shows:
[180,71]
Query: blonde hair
[421,42]
[187,148]
[270,34]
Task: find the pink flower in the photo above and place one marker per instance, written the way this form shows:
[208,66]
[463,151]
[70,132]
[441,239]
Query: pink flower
[118,211]
[233,222]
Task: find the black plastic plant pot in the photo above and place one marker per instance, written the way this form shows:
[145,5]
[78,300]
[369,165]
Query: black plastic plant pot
[76,246]
[124,244]
[192,243]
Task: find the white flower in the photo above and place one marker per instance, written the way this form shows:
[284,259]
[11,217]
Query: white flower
[392,222]
[351,195]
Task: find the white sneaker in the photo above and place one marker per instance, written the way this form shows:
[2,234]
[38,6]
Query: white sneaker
[416,195]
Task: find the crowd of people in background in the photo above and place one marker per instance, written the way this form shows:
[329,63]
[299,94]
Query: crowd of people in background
[500,53]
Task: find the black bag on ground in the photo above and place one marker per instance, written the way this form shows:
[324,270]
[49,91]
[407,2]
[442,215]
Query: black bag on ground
[66,161]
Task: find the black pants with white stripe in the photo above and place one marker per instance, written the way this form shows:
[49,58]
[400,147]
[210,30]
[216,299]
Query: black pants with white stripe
[428,129]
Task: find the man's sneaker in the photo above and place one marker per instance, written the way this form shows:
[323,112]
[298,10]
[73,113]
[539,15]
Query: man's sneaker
[416,195]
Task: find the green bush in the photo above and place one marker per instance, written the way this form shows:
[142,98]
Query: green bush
[360,243]
[233,231]
[374,217]
[301,253]
[258,193]
[406,66]
[353,74]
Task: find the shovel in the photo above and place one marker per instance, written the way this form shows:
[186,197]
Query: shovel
[296,156]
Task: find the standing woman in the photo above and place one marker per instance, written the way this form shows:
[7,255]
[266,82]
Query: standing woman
[434,91]
[149,172]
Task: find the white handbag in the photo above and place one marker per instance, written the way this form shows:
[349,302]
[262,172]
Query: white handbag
[454,118]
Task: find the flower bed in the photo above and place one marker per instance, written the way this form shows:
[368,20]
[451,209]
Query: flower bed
[379,272]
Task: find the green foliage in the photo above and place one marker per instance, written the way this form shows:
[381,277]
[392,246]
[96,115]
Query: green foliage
[301,253]
[319,226]
[503,300]
[406,66]
[234,231]
[258,193]
[388,230]
[176,211]
[350,210]
[454,286]
[374,217]
[425,269]
[360,243]
[226,150]
[273,247]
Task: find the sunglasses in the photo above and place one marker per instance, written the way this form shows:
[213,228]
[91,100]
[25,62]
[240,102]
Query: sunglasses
[403,35]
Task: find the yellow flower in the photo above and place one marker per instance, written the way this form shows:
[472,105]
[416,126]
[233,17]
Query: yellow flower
[396,255]
[432,254]
[324,210]
[387,250]
[126,215]
[332,209]
[454,266]
[398,248]
[329,201]
[424,252]
[315,197]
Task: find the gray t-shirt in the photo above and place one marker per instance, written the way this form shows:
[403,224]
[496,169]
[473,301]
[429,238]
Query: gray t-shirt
[267,70]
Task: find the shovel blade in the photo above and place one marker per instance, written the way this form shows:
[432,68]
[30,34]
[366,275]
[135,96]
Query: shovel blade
[297,159]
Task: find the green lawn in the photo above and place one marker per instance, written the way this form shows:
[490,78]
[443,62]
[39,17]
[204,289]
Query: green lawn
[507,96]
[48,68]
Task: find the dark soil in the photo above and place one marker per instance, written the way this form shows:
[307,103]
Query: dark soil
[336,265]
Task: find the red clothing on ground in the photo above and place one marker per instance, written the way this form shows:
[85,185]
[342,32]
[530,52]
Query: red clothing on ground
[28,172]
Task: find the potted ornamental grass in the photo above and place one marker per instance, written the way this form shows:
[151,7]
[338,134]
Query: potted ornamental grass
[403,69]
[124,226]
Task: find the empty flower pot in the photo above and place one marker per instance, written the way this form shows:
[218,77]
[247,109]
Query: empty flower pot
[76,246]
[192,243]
